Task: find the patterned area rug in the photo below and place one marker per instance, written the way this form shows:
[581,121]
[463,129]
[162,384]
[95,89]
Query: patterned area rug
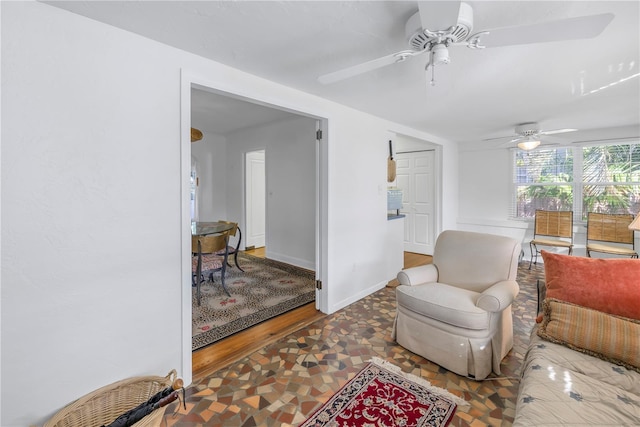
[382,395]
[266,289]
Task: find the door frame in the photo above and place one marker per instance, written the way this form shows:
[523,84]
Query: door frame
[189,80]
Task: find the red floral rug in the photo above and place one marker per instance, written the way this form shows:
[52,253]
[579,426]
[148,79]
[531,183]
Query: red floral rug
[381,395]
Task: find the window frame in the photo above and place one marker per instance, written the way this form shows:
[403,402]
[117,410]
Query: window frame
[578,184]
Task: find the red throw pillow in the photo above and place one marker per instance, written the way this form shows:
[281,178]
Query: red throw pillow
[610,285]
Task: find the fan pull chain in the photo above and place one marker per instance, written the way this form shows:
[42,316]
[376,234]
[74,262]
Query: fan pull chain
[433,69]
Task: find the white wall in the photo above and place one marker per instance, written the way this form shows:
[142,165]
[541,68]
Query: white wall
[484,195]
[450,172]
[210,153]
[92,217]
[290,176]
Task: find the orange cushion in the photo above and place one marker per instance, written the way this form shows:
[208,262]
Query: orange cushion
[609,285]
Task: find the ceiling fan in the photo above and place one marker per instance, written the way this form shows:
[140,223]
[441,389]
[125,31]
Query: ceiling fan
[437,25]
[528,135]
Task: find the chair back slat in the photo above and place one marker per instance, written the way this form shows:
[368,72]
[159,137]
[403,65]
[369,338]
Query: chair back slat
[209,244]
[554,223]
[612,228]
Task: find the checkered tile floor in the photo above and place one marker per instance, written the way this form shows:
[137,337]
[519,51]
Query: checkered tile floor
[283,383]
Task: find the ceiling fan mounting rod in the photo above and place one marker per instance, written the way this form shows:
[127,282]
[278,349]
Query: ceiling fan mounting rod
[438,37]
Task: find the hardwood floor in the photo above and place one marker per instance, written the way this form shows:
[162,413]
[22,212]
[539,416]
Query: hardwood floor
[412,259]
[224,352]
[259,252]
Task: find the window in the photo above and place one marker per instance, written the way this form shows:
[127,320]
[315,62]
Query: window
[604,178]
[193,189]
[611,176]
[543,180]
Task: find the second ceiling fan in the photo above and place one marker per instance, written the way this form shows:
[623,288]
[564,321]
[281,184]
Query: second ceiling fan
[528,135]
[437,25]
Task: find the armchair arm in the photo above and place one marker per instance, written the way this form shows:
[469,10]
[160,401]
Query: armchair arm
[499,296]
[418,275]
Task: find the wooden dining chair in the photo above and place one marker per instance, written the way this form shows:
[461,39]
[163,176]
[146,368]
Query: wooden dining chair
[230,249]
[610,234]
[207,261]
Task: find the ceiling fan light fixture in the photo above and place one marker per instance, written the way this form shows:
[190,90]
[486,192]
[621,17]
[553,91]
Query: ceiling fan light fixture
[528,144]
[440,55]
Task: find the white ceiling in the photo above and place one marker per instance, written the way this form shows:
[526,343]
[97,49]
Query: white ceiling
[223,115]
[480,94]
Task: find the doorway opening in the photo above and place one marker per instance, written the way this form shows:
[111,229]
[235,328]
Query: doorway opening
[417,177]
[231,181]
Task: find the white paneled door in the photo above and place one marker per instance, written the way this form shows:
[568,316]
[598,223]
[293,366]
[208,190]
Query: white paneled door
[255,199]
[416,176]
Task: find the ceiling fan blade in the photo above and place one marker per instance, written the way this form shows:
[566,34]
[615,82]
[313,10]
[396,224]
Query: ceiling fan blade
[621,140]
[438,15]
[583,27]
[500,137]
[508,143]
[374,64]
[557,131]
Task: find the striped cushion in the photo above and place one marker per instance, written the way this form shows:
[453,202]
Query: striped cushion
[608,337]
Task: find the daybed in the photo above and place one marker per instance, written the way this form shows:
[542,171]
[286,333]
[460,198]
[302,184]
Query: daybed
[582,366]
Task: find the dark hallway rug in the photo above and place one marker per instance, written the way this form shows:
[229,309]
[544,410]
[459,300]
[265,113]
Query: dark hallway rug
[266,289]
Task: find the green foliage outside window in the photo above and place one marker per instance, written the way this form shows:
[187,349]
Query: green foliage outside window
[609,180]
[612,179]
[544,178]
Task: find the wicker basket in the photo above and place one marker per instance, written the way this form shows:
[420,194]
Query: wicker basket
[103,406]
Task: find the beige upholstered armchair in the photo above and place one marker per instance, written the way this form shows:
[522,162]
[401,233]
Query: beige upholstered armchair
[456,312]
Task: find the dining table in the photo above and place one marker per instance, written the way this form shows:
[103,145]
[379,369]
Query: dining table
[204,229]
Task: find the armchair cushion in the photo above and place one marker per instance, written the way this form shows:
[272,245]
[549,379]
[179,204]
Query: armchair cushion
[418,275]
[444,303]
